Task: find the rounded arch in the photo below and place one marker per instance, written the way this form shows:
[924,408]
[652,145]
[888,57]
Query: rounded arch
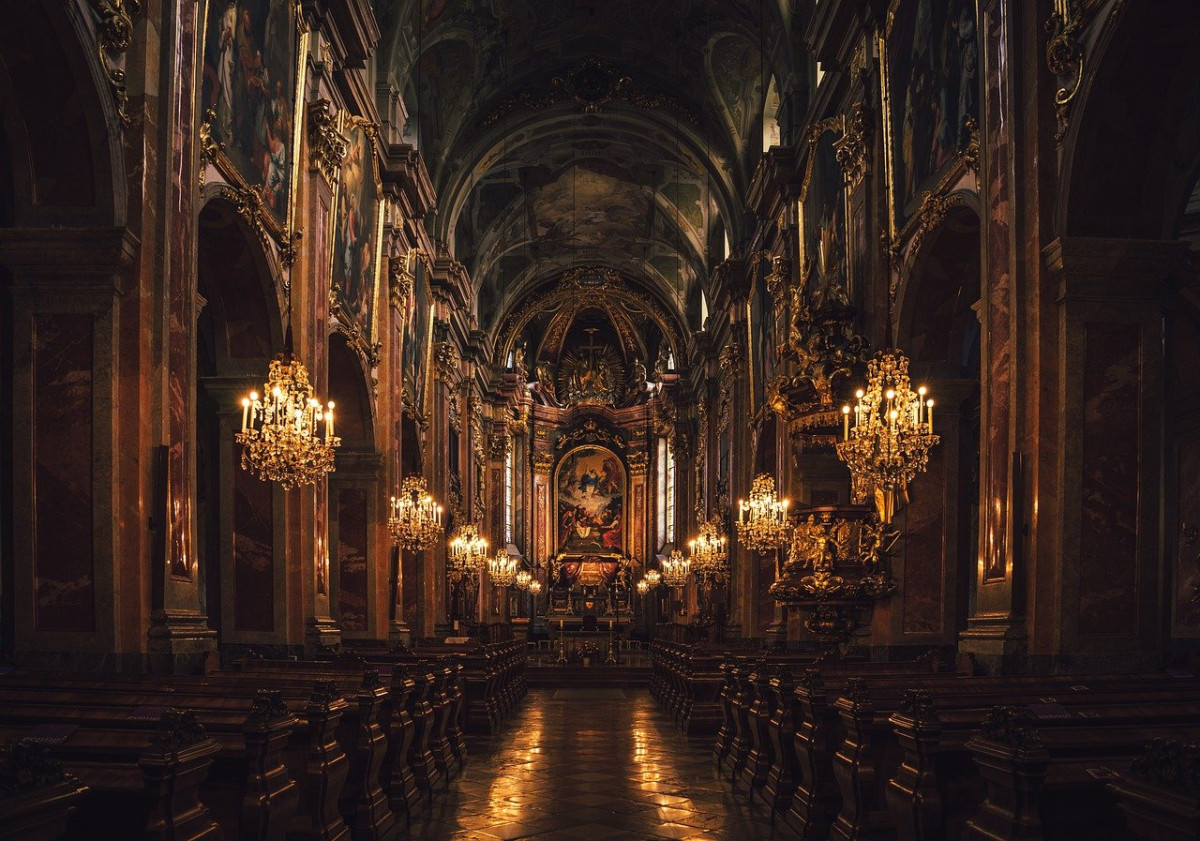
[350,390]
[58,121]
[1132,148]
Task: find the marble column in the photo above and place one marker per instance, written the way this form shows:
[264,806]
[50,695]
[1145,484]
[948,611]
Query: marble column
[1103,598]
[996,629]
[743,563]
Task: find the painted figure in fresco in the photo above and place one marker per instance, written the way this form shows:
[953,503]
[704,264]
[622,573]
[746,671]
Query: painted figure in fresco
[225,69]
[918,124]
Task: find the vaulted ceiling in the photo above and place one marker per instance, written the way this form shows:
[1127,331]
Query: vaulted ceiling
[562,133]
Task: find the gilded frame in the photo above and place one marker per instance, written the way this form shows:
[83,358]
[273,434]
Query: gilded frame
[902,220]
[211,149]
[364,338]
[835,126]
[625,509]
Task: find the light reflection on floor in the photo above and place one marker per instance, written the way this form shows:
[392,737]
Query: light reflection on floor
[588,769]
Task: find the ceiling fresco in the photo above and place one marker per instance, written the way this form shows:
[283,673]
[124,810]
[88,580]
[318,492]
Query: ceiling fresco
[561,133]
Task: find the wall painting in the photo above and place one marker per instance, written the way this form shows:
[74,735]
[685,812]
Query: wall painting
[590,490]
[358,237]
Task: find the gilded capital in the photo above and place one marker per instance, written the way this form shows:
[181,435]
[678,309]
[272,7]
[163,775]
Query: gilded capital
[542,462]
[638,462]
[327,147]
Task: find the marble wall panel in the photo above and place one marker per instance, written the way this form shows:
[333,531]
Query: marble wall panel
[64,556]
[352,558]
[923,587]
[1111,430]
[1187,554]
[253,552]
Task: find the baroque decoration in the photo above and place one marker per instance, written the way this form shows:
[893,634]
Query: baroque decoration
[837,554]
[502,569]
[1064,58]
[115,35]
[676,569]
[416,519]
[887,443]
[327,146]
[287,434]
[763,524]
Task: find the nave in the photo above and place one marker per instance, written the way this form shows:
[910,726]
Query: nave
[592,764]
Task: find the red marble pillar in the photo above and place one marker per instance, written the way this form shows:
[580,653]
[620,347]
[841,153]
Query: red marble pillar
[996,628]
[1102,599]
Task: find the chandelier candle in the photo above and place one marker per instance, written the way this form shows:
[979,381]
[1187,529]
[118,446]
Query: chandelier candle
[763,523]
[416,520]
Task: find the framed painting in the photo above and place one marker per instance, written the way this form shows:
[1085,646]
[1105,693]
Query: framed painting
[417,351]
[357,236]
[761,332]
[824,262]
[590,489]
[930,76]
[250,97]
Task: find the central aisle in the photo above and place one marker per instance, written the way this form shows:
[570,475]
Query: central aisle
[590,764]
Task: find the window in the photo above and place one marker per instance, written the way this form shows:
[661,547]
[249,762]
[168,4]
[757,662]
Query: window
[665,482]
[508,495]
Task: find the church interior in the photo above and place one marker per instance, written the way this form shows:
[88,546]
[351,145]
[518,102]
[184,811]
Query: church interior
[599,419]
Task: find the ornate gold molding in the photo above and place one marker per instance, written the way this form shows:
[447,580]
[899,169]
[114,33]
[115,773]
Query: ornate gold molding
[209,147]
[114,37]
[400,282]
[498,446]
[853,150]
[365,348]
[447,364]
[639,463]
[327,146]
[969,153]
[934,207]
[248,204]
[1064,58]
[542,463]
[731,358]
[591,432]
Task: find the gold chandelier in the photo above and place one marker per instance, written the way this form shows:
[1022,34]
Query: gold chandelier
[502,569]
[763,524]
[416,520]
[643,586]
[280,434]
[535,587]
[468,552]
[652,578]
[523,579]
[676,569]
[888,442]
[708,553]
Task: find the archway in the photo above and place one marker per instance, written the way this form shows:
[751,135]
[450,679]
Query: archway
[939,330]
[239,329]
[353,492]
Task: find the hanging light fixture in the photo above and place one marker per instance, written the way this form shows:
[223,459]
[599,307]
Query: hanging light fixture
[708,553]
[652,577]
[888,442]
[643,586]
[416,520]
[502,569]
[676,569]
[468,552]
[523,579]
[535,587]
[763,524]
[281,435]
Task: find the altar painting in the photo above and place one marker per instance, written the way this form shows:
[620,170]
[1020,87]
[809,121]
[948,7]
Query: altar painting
[590,487]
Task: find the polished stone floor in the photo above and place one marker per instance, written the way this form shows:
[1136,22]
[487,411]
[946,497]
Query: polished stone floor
[591,764]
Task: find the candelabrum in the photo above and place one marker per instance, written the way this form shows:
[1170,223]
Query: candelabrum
[643,586]
[676,569]
[281,431]
[763,524]
[502,569]
[416,520]
[523,580]
[887,442]
[709,556]
[652,578]
[468,552]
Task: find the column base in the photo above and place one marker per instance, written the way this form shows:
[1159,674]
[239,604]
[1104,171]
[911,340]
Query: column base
[321,634]
[399,634]
[180,642]
[993,646]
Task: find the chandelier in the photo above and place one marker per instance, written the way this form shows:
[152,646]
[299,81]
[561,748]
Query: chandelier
[502,569]
[523,579]
[708,552]
[468,552]
[888,442]
[643,586]
[652,577]
[535,587]
[763,524]
[280,431]
[416,520]
[676,569]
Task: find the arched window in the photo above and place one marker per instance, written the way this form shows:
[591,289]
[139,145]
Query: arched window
[665,493]
[508,496]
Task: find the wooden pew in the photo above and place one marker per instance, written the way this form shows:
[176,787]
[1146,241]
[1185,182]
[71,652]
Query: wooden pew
[37,798]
